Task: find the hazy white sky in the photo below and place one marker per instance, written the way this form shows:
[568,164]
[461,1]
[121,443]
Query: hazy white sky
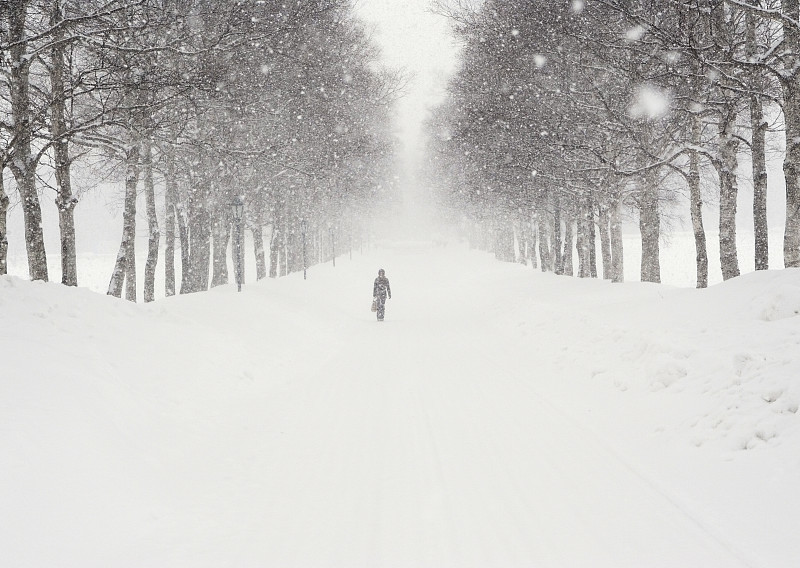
[421,42]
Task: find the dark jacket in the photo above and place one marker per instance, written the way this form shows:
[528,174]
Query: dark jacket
[381,287]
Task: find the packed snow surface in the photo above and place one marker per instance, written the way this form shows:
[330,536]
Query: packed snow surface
[499,417]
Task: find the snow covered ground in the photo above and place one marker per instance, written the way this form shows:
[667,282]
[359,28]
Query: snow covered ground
[499,417]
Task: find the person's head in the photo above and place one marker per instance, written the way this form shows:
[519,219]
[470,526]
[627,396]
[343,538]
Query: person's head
[381,272]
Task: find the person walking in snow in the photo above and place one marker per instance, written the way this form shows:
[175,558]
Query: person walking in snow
[380,292]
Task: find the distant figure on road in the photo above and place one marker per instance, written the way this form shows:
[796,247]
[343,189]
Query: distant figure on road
[380,291]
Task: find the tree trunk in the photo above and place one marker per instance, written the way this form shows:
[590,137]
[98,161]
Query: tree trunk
[567,262]
[200,227]
[558,259]
[152,224]
[65,200]
[760,226]
[504,242]
[583,240]
[125,267]
[650,227]
[3,234]
[261,259]
[791,171]
[579,242]
[757,150]
[283,250]
[791,113]
[522,239]
[617,264]
[170,214]
[186,250]
[696,207]
[592,238]
[728,190]
[221,234]
[23,164]
[605,240]
[532,239]
[273,251]
[545,256]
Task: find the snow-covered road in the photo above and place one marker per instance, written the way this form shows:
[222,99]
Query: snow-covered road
[285,427]
[429,445]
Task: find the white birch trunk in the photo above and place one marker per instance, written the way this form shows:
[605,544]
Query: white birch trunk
[605,241]
[154,235]
[124,273]
[273,250]
[557,242]
[534,229]
[170,214]
[221,236]
[545,257]
[22,163]
[696,207]
[567,261]
[727,167]
[758,151]
[260,253]
[200,229]
[791,113]
[590,208]
[650,228]
[65,200]
[617,263]
[3,235]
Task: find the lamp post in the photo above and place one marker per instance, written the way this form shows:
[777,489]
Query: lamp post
[237,206]
[303,228]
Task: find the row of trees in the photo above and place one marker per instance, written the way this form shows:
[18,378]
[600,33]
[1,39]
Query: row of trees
[566,113]
[192,103]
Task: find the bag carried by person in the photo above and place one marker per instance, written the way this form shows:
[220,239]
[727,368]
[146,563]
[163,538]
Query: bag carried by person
[374,305]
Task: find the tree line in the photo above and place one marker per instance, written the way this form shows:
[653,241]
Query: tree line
[564,114]
[193,103]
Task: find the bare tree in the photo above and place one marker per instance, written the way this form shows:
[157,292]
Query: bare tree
[23,160]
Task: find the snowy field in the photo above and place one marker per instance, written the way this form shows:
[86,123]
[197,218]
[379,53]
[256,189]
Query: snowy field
[500,417]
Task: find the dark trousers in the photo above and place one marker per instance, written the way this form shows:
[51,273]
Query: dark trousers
[381,305]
